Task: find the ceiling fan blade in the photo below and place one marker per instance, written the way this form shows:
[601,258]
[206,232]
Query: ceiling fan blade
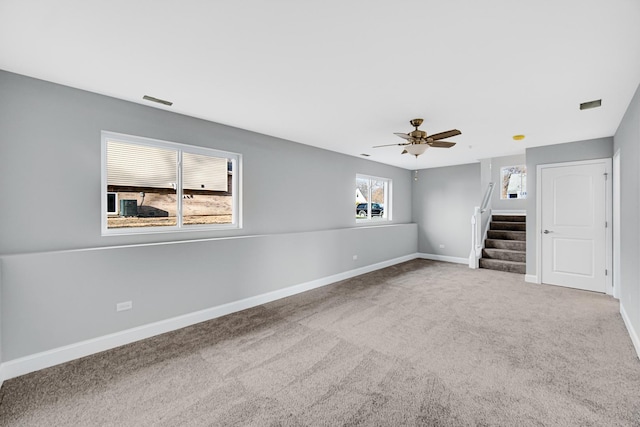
[389,145]
[443,135]
[404,136]
[404,152]
[441,144]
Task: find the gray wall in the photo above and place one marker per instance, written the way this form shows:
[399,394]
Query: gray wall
[443,202]
[52,299]
[50,152]
[600,148]
[61,279]
[627,140]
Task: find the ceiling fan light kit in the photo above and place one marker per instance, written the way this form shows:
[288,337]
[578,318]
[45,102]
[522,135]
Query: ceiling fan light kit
[418,141]
[416,149]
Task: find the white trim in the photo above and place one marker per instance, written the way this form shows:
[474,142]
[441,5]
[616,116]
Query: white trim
[635,339]
[444,258]
[537,231]
[608,215]
[531,278]
[56,356]
[615,182]
[178,242]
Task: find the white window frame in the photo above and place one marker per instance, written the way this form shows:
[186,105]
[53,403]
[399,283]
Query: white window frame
[236,161]
[522,195]
[387,204]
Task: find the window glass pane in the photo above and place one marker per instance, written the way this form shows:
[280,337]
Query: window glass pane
[362,197]
[378,195]
[207,196]
[513,182]
[144,180]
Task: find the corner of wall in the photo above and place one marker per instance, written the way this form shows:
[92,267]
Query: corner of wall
[436,257]
[635,338]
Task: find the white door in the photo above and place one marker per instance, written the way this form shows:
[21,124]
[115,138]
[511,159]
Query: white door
[573,216]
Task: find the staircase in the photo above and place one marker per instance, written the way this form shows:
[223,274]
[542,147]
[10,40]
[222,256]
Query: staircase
[505,246]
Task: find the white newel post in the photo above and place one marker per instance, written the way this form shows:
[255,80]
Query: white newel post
[477,228]
[475,238]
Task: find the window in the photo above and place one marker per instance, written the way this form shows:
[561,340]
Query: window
[513,181]
[373,199]
[155,186]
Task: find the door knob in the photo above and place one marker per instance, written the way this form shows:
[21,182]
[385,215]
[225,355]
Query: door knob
[547,231]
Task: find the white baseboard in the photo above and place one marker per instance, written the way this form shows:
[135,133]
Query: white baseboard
[635,339]
[46,359]
[444,258]
[531,278]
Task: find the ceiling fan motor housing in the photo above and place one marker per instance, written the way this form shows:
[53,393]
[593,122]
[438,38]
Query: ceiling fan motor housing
[418,134]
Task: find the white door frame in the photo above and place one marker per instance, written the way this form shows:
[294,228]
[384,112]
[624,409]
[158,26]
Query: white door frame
[616,224]
[608,216]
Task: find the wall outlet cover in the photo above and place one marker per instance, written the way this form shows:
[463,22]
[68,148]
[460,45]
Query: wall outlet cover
[126,305]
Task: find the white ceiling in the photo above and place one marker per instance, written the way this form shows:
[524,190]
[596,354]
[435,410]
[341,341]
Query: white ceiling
[345,74]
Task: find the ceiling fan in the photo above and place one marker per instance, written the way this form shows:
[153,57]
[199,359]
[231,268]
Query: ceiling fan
[419,141]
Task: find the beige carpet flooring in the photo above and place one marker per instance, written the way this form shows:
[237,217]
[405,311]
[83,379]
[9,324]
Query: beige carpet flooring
[421,343]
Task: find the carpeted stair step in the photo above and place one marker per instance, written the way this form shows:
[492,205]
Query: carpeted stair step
[502,265]
[511,218]
[507,235]
[504,254]
[514,245]
[507,225]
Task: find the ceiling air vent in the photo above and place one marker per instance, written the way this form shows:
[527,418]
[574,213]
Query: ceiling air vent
[591,104]
[158,100]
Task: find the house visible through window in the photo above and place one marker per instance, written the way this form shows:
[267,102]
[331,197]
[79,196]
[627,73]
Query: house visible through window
[513,182]
[373,198]
[151,185]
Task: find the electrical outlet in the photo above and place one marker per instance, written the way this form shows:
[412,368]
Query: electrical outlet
[441,246]
[355,257]
[126,305]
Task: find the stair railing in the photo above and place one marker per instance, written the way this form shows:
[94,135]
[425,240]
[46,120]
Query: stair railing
[479,224]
